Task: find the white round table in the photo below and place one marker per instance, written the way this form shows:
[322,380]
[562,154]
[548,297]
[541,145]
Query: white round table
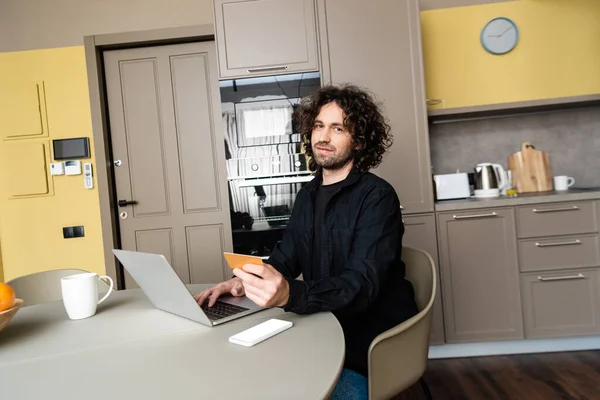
[131,350]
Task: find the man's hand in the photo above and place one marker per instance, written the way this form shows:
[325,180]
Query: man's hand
[270,291]
[233,286]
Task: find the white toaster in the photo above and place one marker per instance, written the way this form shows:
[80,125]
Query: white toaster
[452,186]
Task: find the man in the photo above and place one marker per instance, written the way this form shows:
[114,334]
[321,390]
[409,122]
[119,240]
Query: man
[344,234]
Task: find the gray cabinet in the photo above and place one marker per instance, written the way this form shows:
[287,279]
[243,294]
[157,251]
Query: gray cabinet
[377,45]
[559,252]
[559,256]
[557,219]
[420,233]
[480,275]
[561,303]
[265,37]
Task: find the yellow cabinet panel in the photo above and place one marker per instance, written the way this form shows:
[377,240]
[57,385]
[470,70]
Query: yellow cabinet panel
[22,110]
[557,54]
[25,170]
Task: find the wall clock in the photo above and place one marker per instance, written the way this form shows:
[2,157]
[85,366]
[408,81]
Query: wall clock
[499,36]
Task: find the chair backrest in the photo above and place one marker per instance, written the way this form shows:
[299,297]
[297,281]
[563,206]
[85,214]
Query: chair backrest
[44,287]
[398,357]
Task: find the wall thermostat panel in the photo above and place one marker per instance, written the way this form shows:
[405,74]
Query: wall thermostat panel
[73,167]
[70,149]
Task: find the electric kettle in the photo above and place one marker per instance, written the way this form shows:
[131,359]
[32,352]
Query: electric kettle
[489,176]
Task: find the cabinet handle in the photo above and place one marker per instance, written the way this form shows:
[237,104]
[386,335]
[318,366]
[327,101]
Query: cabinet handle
[490,215]
[558,243]
[545,210]
[561,278]
[262,69]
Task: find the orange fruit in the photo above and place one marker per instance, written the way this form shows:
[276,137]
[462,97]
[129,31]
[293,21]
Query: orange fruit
[7,297]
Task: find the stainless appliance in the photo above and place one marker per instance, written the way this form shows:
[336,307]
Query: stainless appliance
[490,180]
[262,193]
[265,188]
[452,186]
[265,122]
[258,112]
[489,176]
[265,165]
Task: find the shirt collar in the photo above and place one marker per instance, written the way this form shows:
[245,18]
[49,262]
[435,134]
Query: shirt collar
[351,179]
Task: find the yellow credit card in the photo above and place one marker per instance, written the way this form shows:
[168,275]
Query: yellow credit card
[239,260]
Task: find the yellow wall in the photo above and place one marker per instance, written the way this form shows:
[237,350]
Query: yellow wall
[31,229]
[1,269]
[558,54]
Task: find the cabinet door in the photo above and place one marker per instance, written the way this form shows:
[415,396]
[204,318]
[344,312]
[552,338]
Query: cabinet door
[265,37]
[384,57]
[420,233]
[561,303]
[557,219]
[480,275]
[559,252]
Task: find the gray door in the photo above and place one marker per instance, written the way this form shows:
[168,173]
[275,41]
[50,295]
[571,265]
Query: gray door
[561,303]
[167,142]
[480,275]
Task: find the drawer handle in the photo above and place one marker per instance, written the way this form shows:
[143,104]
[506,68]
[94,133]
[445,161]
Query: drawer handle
[490,215]
[546,210]
[558,243]
[561,278]
[262,69]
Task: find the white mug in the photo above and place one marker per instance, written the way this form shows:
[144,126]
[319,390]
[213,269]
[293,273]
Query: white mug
[80,294]
[563,182]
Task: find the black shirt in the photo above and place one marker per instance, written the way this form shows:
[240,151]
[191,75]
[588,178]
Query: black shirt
[324,194]
[362,273]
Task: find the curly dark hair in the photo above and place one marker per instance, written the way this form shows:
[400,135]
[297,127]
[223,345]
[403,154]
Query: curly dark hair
[362,118]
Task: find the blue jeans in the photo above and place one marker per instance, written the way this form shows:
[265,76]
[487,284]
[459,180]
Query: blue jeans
[351,386]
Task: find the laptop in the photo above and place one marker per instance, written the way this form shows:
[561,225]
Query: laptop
[159,281]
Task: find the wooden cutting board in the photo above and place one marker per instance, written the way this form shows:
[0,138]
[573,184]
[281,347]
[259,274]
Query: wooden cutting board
[530,169]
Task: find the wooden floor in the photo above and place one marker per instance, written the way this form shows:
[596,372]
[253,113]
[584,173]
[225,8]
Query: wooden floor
[549,376]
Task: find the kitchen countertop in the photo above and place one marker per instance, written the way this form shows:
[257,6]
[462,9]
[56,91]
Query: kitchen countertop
[521,199]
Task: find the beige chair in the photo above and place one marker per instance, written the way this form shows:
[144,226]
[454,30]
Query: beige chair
[398,357]
[44,287]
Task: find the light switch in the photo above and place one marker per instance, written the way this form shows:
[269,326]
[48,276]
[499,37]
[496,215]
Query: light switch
[73,167]
[70,232]
[57,168]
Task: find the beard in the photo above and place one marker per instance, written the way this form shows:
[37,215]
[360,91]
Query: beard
[334,161]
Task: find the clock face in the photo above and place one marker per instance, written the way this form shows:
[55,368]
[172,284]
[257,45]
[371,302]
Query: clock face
[499,36]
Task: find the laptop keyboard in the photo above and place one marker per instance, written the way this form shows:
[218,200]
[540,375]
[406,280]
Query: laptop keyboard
[222,310]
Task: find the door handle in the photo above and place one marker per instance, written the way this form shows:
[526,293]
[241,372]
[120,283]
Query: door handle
[125,203]
[558,243]
[490,215]
[561,278]
[547,210]
[265,69]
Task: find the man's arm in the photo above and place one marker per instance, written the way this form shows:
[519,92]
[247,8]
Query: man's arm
[376,243]
[283,256]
